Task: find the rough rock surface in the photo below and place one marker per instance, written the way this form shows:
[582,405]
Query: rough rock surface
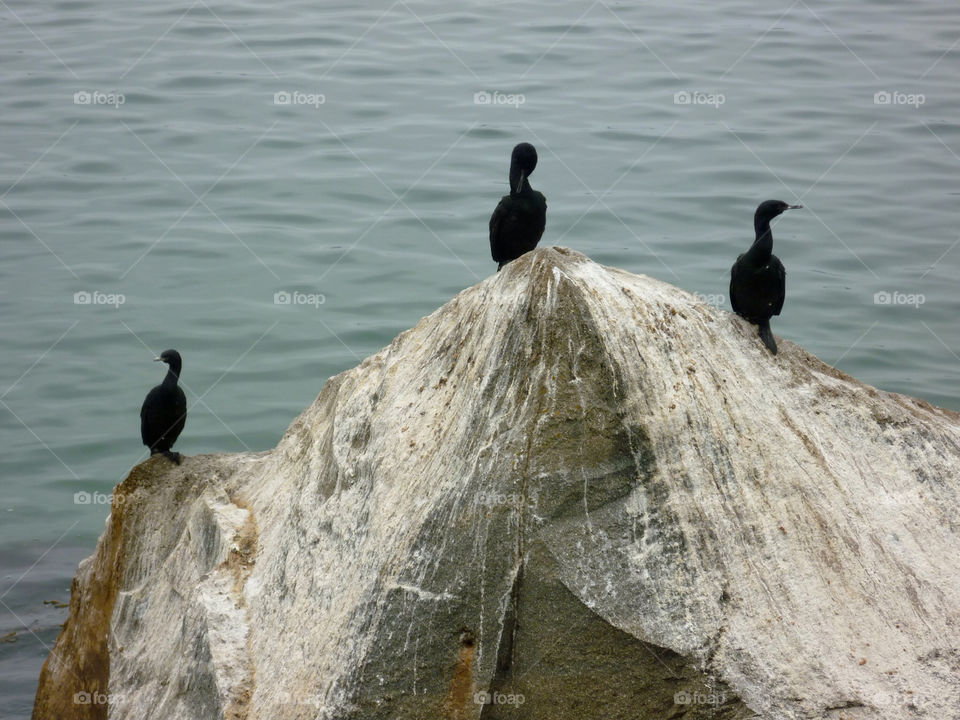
[578,490]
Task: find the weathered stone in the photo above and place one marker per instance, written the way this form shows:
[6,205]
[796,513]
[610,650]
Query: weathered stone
[574,491]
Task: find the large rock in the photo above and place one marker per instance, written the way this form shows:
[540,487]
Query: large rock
[574,491]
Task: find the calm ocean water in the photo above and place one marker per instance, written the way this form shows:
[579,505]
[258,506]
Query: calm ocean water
[179,164]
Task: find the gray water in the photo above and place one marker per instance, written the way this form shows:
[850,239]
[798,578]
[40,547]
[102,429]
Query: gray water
[183,184]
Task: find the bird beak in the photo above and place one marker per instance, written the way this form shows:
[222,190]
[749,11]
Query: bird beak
[158,359]
[794,207]
[523,176]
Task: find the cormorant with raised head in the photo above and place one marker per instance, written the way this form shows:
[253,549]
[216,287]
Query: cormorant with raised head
[519,219]
[758,278]
[164,410]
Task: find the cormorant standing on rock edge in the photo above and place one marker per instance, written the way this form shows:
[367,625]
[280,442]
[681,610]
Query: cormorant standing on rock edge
[164,410]
[518,222]
[758,279]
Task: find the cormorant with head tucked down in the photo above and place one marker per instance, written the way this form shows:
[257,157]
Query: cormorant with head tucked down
[518,221]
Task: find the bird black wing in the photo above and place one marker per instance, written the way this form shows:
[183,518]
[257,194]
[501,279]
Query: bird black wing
[180,416]
[780,274]
[734,299]
[541,214]
[146,417]
[497,221]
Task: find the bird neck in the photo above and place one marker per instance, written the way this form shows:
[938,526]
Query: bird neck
[173,374]
[514,179]
[762,246]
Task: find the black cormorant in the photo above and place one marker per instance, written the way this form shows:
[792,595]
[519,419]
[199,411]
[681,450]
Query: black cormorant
[518,222]
[758,278]
[164,410]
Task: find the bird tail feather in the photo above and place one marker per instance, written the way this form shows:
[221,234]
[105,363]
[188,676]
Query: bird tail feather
[766,335]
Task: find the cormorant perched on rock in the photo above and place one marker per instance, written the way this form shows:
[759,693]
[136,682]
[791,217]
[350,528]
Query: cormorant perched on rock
[518,222]
[758,278]
[164,411]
